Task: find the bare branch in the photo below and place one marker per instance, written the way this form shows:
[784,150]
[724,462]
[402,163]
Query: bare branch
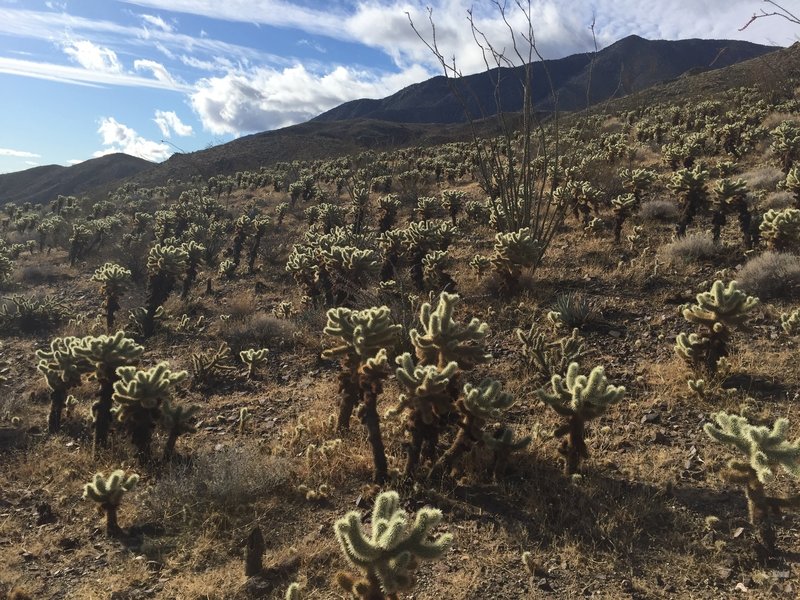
[779,12]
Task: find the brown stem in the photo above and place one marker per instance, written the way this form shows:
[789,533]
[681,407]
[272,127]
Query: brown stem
[576,446]
[369,417]
[350,395]
[57,400]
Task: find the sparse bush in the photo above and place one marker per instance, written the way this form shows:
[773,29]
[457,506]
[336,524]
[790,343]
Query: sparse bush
[763,178]
[771,275]
[572,311]
[662,211]
[692,248]
[258,330]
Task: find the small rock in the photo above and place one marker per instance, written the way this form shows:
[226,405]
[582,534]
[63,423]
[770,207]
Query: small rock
[651,417]
[544,585]
[615,334]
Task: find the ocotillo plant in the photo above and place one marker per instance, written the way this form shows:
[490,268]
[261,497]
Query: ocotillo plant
[105,354]
[254,359]
[114,280]
[108,493]
[177,420]
[765,449]
[164,265]
[578,398]
[477,406]
[428,399]
[360,335]
[62,370]
[718,311]
[140,395]
[387,557]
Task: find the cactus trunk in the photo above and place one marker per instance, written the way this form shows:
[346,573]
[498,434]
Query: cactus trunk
[112,306]
[369,417]
[102,423]
[576,446]
[57,400]
[112,526]
[350,393]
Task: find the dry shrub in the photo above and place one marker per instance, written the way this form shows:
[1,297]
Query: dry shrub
[763,178]
[774,119]
[39,274]
[771,275]
[778,201]
[258,330]
[692,248]
[662,211]
[240,306]
[225,480]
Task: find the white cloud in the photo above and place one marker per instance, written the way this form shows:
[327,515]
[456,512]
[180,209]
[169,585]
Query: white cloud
[74,161]
[80,76]
[92,57]
[169,122]
[158,70]
[32,163]
[18,153]
[158,22]
[265,98]
[121,138]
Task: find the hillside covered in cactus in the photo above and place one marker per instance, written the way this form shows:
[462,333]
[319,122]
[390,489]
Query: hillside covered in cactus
[560,362]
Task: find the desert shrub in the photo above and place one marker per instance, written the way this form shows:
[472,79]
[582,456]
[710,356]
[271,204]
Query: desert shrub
[763,178]
[692,248]
[771,275]
[778,201]
[662,211]
[258,330]
[39,274]
[572,311]
[224,480]
[28,315]
[240,306]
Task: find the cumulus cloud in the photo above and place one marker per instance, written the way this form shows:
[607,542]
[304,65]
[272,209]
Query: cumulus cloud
[264,98]
[117,137]
[93,57]
[18,153]
[169,122]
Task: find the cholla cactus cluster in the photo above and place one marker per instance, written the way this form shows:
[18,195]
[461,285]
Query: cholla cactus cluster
[513,252]
[718,312]
[388,555]
[780,229]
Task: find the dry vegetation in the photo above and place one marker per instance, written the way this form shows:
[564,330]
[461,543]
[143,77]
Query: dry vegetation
[648,513]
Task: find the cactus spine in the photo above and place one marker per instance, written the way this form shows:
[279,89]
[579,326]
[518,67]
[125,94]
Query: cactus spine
[579,398]
[765,448]
[107,492]
[388,556]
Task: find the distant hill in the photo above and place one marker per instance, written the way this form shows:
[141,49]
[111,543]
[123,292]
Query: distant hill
[42,184]
[629,65]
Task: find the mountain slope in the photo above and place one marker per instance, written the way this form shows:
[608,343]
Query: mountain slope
[42,184]
[627,66]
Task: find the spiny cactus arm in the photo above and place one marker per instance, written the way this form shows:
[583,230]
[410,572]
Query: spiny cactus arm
[777,449]
[504,442]
[178,417]
[376,367]
[147,387]
[418,543]
[360,551]
[486,400]
[111,489]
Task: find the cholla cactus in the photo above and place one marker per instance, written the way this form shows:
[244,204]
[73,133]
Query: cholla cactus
[441,340]
[546,359]
[211,365]
[434,273]
[280,212]
[731,196]
[304,268]
[388,556]
[283,310]
[780,229]
[690,185]
[427,396]
[389,205]
[765,449]
[62,370]
[243,228]
[453,200]
[105,354]
[348,268]
[194,256]
[480,264]
[164,265]
[227,269]
[107,492]
[177,420]
[786,143]
[718,311]
[140,395]
[426,207]
[254,359]
[6,268]
[479,404]
[503,443]
[792,184]
[580,399]
[637,181]
[114,280]
[513,252]
[790,322]
[623,207]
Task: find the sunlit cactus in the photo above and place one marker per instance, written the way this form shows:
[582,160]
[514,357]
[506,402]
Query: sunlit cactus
[178,420]
[578,398]
[427,397]
[765,449]
[792,184]
[731,196]
[786,144]
[255,359]
[114,279]
[140,395]
[453,201]
[211,365]
[513,252]
[780,229]
[480,264]
[690,186]
[348,268]
[637,181]
[243,228]
[790,322]
[623,207]
[718,311]
[6,268]
[164,265]
[389,205]
[62,370]
[105,354]
[434,271]
[441,340]
[387,557]
[108,492]
[547,359]
[478,405]
[194,256]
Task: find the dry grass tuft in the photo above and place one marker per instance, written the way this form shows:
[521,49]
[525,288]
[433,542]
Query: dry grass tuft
[771,275]
[691,249]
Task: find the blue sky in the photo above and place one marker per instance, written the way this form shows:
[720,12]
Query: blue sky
[83,78]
